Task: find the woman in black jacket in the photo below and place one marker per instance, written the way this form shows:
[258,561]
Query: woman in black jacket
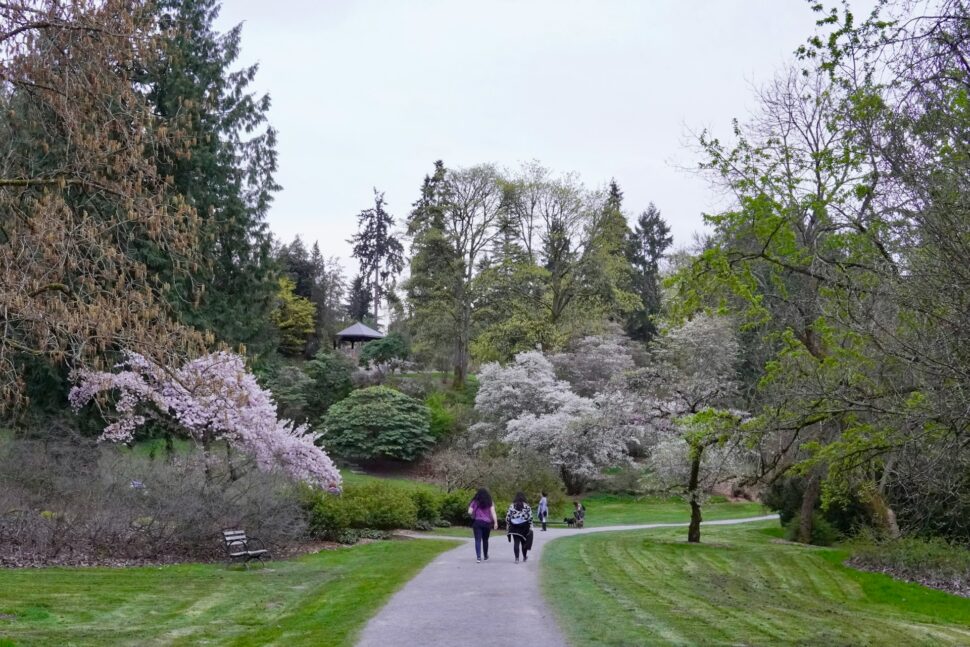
[518,524]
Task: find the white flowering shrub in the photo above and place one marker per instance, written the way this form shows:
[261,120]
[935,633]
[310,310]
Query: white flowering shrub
[523,404]
[211,398]
[591,363]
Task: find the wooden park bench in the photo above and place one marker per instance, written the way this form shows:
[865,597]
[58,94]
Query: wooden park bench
[240,547]
[569,522]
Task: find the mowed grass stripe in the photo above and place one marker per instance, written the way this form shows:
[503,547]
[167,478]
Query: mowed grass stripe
[602,608]
[321,599]
[738,588]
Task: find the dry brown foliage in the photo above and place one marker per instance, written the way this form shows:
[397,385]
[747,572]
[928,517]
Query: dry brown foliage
[81,201]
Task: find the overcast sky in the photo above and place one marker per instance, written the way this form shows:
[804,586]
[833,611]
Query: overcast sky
[369,93]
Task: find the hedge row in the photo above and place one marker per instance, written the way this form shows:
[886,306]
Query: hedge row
[371,509]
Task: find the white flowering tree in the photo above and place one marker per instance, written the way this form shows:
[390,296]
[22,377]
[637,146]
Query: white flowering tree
[523,404]
[210,398]
[528,385]
[592,362]
[690,384]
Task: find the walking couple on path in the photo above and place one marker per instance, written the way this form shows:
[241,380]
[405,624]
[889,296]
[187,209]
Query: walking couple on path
[518,523]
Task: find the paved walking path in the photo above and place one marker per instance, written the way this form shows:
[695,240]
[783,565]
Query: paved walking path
[455,601]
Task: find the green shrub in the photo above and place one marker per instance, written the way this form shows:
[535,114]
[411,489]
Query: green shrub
[501,472]
[378,422]
[823,532]
[386,350]
[427,504]
[371,506]
[330,373]
[387,507]
[454,507]
[623,480]
[443,419]
[785,496]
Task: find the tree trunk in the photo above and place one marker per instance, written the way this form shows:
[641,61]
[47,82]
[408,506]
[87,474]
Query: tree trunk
[233,474]
[461,349]
[694,529]
[377,300]
[574,485]
[206,458]
[809,499]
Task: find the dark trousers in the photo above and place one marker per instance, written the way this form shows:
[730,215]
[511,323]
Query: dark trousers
[519,534]
[481,530]
[542,518]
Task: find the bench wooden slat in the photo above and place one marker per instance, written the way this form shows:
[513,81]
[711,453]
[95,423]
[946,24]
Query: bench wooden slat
[237,546]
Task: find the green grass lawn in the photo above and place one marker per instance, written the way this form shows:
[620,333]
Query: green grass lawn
[319,599]
[359,478]
[619,510]
[740,587]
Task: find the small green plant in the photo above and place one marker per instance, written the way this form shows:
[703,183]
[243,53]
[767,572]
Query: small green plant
[443,419]
[823,532]
[427,503]
[454,507]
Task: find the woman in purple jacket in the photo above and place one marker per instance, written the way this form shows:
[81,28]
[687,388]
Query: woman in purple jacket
[484,520]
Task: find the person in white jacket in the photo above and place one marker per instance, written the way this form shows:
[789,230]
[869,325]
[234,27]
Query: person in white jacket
[518,524]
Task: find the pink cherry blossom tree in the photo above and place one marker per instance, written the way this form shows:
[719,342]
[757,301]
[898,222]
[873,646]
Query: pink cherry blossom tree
[210,398]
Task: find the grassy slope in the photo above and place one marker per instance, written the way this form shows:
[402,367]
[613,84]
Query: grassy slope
[650,587]
[320,599]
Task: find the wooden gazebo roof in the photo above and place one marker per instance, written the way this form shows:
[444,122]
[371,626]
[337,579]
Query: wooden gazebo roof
[358,332]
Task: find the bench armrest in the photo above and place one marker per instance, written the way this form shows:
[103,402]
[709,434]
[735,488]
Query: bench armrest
[257,540]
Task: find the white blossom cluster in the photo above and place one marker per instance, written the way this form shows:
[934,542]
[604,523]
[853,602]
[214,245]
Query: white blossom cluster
[212,398]
[525,405]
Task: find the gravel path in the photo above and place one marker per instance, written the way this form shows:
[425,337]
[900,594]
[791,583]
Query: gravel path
[455,601]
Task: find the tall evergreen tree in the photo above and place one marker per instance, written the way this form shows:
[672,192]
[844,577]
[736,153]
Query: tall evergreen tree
[453,224]
[320,280]
[433,263]
[358,300]
[226,174]
[380,253]
[327,295]
[609,269]
[647,244]
[295,262]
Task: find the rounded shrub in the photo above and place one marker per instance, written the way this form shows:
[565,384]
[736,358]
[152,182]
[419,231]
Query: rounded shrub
[427,504]
[823,532]
[378,423]
[454,507]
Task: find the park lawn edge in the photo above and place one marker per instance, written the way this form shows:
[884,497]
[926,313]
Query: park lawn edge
[323,598]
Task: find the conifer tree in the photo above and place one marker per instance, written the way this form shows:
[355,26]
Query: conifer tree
[358,301]
[647,244]
[226,174]
[380,253]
